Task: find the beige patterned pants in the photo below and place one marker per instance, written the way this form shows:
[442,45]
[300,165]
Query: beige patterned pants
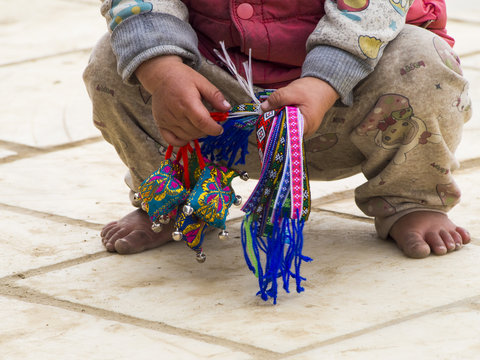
[401,131]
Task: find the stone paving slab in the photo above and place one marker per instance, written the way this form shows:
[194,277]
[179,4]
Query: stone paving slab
[41,29]
[89,176]
[40,332]
[45,103]
[6,152]
[464,10]
[471,62]
[352,270]
[446,334]
[29,241]
[466,38]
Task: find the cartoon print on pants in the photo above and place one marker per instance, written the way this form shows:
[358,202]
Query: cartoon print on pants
[321,142]
[448,56]
[397,128]
[347,7]
[463,102]
[378,207]
[401,6]
[370,46]
[449,194]
[122,9]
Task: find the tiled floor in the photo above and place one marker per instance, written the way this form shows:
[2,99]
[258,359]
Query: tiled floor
[63,297]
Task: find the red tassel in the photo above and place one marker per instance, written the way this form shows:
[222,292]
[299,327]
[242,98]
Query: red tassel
[219,116]
[169,151]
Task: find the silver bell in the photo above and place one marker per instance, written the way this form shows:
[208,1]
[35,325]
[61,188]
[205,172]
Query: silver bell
[237,201]
[223,235]
[201,257]
[244,176]
[144,206]
[156,227]
[177,235]
[187,210]
[164,219]
[136,199]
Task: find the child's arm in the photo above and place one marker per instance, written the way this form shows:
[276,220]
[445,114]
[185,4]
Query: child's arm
[155,44]
[344,48]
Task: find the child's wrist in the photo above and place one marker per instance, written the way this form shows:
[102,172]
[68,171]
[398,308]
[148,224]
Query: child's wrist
[148,72]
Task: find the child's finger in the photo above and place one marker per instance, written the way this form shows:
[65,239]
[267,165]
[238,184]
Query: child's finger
[200,119]
[214,96]
[279,98]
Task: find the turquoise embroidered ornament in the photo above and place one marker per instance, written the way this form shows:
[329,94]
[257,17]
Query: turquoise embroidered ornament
[195,194]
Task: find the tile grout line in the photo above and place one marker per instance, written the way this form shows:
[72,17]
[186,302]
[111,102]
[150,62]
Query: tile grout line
[26,151]
[45,57]
[61,219]
[462,21]
[25,294]
[386,324]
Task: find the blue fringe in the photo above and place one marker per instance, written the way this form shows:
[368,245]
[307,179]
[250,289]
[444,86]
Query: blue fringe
[283,254]
[233,141]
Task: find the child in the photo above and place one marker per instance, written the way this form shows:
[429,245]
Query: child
[378,96]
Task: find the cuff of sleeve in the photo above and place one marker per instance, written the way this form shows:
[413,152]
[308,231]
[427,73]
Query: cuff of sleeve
[145,36]
[340,69]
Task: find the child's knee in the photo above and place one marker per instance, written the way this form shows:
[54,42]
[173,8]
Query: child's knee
[101,67]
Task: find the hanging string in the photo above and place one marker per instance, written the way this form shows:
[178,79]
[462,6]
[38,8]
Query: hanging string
[246,84]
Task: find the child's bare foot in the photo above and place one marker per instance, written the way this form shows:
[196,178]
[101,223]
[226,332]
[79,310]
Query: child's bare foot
[133,234]
[421,232]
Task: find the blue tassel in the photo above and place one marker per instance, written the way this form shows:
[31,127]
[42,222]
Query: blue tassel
[233,141]
[283,254]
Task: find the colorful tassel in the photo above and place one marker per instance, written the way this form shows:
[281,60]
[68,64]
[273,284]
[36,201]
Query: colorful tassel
[272,230]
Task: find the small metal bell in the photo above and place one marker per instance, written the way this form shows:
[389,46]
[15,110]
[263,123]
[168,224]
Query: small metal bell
[244,176]
[164,219]
[136,199]
[156,227]
[177,235]
[187,210]
[223,235]
[237,201]
[144,206]
[201,257]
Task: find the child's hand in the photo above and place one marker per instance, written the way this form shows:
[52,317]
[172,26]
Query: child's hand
[177,92]
[314,97]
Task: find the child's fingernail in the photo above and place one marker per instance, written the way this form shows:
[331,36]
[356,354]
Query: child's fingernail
[265,105]
[226,104]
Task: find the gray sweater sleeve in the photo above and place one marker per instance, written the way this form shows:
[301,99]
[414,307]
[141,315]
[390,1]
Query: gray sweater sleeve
[145,29]
[348,43]
[145,36]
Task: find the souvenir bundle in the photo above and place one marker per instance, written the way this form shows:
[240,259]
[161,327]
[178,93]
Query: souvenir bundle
[195,191]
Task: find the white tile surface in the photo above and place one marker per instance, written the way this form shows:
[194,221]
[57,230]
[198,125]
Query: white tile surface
[29,242]
[465,10]
[444,335]
[5,153]
[465,36]
[42,29]
[40,332]
[82,183]
[352,270]
[45,103]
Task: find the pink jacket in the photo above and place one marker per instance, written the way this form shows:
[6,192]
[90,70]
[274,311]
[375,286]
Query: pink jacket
[277,34]
[430,14]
